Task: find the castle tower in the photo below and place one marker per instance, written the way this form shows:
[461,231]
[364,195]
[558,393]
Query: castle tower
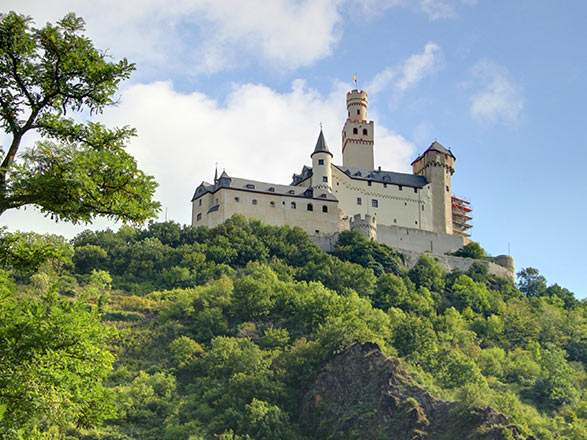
[321,166]
[437,164]
[357,133]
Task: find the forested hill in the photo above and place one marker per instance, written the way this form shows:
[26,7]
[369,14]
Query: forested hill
[229,332]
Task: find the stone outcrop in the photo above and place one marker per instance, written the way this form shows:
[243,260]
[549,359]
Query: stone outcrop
[362,394]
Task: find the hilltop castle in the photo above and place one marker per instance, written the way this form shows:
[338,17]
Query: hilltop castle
[415,212]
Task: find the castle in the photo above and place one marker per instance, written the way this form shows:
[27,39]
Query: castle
[412,212]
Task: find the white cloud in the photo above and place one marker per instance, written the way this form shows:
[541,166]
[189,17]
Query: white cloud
[288,34]
[499,100]
[410,72]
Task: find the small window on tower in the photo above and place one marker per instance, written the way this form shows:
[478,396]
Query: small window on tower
[293,205]
[359,201]
[369,183]
[355,131]
[416,190]
[324,179]
[320,161]
[200,202]
[364,131]
[401,188]
[272,204]
[374,203]
[447,188]
[358,112]
[199,217]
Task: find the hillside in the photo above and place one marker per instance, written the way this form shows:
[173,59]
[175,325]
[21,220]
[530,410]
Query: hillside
[243,331]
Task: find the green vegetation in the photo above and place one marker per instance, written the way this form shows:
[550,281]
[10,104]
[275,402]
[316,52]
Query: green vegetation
[221,331]
[78,170]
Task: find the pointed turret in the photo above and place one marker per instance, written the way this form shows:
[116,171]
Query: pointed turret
[321,166]
[321,145]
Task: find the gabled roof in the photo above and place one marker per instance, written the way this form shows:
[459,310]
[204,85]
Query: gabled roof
[436,146]
[390,177]
[225,181]
[321,146]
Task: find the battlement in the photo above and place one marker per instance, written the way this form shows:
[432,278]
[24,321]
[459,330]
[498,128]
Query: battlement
[366,226]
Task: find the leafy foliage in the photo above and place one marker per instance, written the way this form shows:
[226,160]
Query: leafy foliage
[221,331]
[78,170]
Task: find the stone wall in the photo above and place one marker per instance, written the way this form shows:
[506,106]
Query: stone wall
[419,240]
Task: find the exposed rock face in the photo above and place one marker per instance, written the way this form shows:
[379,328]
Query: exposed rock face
[361,394]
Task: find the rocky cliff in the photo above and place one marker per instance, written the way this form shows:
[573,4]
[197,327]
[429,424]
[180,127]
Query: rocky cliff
[361,394]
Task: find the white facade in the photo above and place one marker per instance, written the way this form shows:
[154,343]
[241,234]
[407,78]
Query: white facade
[326,198]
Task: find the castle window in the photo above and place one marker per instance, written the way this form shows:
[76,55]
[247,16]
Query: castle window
[236,199]
[199,217]
[310,207]
[293,205]
[416,221]
[416,190]
[291,191]
[395,220]
[272,204]
[374,203]
[324,208]
[369,183]
[422,207]
[364,131]
[358,112]
[359,201]
[320,161]
[323,196]
[401,188]
[200,202]
[254,201]
[272,189]
[355,130]
[447,188]
[250,186]
[324,179]
[385,185]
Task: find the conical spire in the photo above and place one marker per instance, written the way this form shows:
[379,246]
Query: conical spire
[321,146]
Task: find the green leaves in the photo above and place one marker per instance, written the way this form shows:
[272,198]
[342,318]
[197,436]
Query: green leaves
[52,363]
[79,170]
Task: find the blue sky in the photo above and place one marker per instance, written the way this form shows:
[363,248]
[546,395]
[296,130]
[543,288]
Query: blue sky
[247,83]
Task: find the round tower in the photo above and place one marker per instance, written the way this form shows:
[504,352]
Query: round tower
[321,166]
[357,133]
[437,164]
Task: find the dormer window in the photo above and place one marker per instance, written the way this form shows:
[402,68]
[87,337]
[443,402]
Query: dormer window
[272,189]
[250,186]
[291,191]
[323,196]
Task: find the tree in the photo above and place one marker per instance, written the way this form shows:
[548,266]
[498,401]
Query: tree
[531,282]
[78,170]
[52,363]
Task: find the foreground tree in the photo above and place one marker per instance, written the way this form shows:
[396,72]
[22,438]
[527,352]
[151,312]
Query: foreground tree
[78,170]
[52,364]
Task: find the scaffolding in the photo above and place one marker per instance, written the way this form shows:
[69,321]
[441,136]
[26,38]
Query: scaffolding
[461,216]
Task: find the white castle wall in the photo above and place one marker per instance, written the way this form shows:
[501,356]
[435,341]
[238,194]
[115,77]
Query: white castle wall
[395,207]
[419,240]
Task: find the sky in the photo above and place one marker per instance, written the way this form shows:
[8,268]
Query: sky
[245,84]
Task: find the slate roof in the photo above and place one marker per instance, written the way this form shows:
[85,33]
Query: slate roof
[225,181]
[390,177]
[321,146]
[436,146]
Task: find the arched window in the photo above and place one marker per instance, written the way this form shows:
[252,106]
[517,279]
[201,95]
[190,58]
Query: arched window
[293,205]
[324,208]
[355,130]
[310,207]
[364,131]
